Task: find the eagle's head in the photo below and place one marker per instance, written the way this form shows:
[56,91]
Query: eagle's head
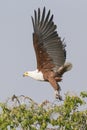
[38,75]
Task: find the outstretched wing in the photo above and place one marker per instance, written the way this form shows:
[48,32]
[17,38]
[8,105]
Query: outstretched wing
[50,50]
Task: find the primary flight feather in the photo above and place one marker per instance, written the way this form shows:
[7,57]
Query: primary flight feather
[50,51]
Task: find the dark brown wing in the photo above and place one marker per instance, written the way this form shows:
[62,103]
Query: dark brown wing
[50,50]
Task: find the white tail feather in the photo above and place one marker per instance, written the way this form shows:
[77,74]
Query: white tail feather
[68,66]
[64,68]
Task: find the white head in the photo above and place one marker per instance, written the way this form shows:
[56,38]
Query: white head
[37,75]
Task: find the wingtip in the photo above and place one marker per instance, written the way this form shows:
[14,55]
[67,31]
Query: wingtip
[44,8]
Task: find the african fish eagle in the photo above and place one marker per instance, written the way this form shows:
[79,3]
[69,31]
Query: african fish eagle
[50,51]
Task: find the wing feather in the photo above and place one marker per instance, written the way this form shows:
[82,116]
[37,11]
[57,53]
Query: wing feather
[49,48]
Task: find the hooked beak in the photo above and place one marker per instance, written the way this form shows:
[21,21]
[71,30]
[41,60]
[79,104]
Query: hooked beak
[25,74]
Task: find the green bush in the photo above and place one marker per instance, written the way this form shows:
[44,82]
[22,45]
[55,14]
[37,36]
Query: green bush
[24,114]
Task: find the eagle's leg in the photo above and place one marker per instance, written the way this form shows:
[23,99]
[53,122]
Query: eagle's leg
[56,87]
[57,94]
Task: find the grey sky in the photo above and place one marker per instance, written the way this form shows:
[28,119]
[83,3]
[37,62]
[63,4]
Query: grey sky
[16,48]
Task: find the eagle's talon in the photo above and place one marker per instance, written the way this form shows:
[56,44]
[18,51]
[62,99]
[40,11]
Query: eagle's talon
[57,95]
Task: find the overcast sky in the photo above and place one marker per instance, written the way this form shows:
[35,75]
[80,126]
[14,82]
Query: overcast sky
[17,53]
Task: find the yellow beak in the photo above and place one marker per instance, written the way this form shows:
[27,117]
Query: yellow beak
[25,74]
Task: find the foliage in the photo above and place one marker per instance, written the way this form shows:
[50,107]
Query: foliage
[23,113]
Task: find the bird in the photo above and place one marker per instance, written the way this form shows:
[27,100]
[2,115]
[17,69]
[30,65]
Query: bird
[50,51]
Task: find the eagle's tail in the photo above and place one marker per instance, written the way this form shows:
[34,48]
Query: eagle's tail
[64,68]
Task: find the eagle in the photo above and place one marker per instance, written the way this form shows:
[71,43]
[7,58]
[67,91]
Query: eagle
[50,51]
